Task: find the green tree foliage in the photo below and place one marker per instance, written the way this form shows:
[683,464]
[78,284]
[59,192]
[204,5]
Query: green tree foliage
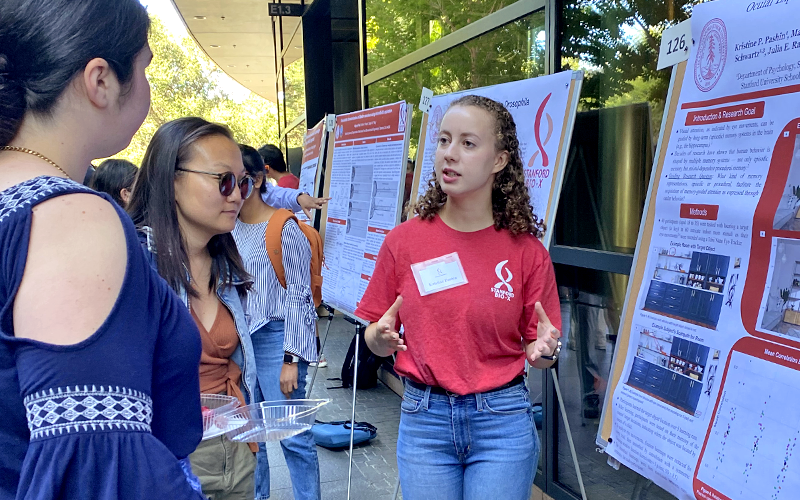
[396,27]
[184,82]
[294,90]
[615,42]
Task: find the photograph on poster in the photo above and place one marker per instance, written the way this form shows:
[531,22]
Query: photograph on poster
[669,368]
[780,305]
[787,217]
[687,285]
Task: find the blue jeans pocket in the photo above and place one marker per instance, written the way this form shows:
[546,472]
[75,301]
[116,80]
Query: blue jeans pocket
[412,403]
[507,403]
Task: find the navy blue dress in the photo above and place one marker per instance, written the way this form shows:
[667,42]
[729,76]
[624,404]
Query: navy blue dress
[109,417]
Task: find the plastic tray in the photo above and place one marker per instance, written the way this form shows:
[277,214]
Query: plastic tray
[274,420]
[215,421]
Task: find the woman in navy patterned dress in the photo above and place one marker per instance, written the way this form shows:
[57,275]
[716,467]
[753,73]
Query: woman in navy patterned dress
[98,358]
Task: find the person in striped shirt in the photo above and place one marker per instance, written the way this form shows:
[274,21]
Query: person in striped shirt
[282,325]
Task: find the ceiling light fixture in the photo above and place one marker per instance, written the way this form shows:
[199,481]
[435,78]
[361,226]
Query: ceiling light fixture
[200,18]
[214,46]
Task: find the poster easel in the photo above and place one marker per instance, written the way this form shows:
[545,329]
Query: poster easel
[701,394]
[645,236]
[315,143]
[365,179]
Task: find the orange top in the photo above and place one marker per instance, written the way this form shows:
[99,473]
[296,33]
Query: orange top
[218,372]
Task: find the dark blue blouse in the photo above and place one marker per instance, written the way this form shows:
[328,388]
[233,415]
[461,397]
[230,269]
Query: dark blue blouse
[109,417]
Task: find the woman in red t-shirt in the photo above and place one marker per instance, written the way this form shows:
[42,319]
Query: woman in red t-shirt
[474,290]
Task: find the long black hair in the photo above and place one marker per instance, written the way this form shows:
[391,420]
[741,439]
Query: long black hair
[112,176]
[44,44]
[254,165]
[153,204]
[273,157]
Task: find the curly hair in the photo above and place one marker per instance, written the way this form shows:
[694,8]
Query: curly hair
[511,204]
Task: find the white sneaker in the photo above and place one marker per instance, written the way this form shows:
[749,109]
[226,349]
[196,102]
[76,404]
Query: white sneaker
[322,362]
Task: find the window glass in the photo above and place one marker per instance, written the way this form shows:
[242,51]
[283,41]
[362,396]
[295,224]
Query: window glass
[514,51]
[621,108]
[396,28]
[294,153]
[294,90]
[591,305]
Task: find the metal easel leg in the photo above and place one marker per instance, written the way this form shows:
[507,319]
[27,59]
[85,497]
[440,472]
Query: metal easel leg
[396,488]
[321,349]
[569,432]
[359,332]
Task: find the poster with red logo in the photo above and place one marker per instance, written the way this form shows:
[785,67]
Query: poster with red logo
[703,396]
[365,182]
[313,146]
[543,109]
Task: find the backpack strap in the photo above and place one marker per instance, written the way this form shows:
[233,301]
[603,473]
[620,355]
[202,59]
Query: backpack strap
[273,241]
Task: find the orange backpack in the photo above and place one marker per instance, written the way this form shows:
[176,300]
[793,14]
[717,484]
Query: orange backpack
[275,251]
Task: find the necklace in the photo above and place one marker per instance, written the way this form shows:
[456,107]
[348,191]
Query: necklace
[38,155]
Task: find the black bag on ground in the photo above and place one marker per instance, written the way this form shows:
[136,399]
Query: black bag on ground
[368,365]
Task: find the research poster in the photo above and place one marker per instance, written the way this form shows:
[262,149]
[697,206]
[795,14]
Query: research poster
[707,373]
[366,181]
[313,144]
[543,109]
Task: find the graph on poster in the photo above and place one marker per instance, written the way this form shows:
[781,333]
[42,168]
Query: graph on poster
[752,447]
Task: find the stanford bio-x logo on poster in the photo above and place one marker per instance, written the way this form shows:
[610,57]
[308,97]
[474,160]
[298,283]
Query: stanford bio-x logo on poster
[712,50]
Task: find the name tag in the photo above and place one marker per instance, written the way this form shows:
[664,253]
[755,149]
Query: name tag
[441,273]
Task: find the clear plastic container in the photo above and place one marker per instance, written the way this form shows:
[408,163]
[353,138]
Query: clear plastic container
[216,406]
[273,420]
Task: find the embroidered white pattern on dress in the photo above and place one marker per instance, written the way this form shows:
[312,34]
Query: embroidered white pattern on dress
[66,410]
[29,192]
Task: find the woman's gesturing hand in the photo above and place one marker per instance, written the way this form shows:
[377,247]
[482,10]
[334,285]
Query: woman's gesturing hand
[308,203]
[381,337]
[546,338]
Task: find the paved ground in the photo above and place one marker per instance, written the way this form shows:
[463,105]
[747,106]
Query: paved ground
[374,464]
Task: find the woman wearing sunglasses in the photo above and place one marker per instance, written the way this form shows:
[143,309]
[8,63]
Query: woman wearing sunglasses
[190,189]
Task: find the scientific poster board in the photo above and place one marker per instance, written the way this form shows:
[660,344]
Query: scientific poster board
[703,391]
[544,112]
[314,144]
[365,180]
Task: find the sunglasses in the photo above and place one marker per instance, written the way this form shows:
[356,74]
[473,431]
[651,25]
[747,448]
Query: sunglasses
[227,182]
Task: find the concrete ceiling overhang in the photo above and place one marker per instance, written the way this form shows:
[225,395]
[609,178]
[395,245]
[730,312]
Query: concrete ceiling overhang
[238,36]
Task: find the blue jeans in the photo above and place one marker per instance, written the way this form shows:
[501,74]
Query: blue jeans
[469,447]
[300,451]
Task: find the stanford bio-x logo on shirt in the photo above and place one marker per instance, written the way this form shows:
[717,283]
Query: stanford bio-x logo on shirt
[503,289]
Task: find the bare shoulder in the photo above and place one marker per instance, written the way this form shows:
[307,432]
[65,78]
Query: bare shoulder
[74,271]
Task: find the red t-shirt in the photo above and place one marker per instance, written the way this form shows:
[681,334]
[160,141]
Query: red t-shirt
[466,339]
[289,181]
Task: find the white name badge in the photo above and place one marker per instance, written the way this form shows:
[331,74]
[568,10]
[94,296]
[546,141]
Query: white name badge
[441,273]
